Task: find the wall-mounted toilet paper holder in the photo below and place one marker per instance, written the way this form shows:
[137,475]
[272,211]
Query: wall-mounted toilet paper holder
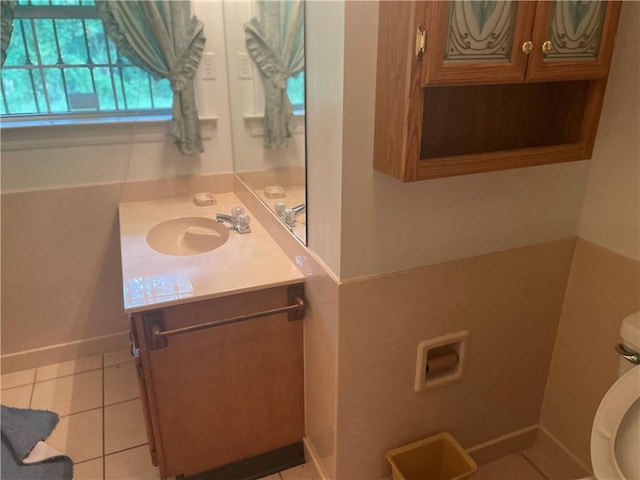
[440,360]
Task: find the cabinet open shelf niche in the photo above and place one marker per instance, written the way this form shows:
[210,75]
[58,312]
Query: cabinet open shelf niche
[490,118]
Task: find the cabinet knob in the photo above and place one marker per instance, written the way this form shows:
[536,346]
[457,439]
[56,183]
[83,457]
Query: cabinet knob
[547,47]
[527,47]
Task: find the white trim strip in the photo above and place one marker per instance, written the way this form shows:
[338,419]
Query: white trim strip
[85,132]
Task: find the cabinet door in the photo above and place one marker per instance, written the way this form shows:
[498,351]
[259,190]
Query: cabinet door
[476,41]
[224,394]
[573,39]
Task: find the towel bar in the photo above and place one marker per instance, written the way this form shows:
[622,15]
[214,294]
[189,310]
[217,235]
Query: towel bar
[157,337]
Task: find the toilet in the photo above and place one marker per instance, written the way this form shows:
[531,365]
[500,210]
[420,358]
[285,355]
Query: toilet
[615,436]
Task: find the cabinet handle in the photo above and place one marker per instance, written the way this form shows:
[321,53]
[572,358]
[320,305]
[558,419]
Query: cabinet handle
[527,47]
[547,47]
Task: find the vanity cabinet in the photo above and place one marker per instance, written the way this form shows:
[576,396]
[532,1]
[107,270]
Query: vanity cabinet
[469,86]
[221,386]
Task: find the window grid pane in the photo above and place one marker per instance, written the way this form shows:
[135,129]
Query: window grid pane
[54,57]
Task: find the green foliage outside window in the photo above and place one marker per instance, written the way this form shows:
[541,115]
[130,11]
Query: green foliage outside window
[73,59]
[82,63]
[295,89]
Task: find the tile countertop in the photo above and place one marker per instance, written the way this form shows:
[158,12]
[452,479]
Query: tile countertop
[244,263]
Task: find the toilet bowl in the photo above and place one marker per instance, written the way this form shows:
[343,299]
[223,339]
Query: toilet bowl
[615,435]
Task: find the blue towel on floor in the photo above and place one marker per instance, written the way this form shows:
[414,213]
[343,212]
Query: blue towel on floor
[21,430]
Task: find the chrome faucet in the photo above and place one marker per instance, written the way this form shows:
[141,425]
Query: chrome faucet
[298,209]
[288,215]
[238,220]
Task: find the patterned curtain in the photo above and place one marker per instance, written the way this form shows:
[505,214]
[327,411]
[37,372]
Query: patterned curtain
[164,40]
[6,26]
[276,44]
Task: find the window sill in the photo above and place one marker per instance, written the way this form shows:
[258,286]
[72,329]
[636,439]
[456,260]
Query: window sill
[74,132]
[255,123]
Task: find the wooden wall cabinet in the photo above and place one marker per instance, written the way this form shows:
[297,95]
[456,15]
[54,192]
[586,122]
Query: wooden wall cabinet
[474,86]
[221,395]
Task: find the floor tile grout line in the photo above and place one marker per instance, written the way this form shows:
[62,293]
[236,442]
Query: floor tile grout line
[17,386]
[121,401]
[68,375]
[533,465]
[98,407]
[35,373]
[33,387]
[125,449]
[119,363]
[88,460]
[33,379]
[77,373]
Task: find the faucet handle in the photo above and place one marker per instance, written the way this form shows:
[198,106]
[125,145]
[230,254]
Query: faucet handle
[289,216]
[237,211]
[243,221]
[280,207]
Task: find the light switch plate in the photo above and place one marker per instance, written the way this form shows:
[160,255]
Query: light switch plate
[208,66]
[244,66]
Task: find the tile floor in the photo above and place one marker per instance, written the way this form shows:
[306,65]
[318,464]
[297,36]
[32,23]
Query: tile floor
[512,467]
[101,423]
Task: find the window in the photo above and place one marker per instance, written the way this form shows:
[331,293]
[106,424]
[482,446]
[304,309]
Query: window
[61,63]
[295,89]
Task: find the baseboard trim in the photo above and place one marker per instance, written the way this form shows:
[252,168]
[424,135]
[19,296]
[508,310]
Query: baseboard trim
[312,459]
[62,352]
[256,467]
[504,445]
[565,464]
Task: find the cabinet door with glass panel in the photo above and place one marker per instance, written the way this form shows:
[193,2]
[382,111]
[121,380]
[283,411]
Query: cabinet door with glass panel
[572,39]
[485,41]
[475,41]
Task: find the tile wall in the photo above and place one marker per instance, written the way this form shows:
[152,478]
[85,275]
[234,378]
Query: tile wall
[603,288]
[61,266]
[510,302]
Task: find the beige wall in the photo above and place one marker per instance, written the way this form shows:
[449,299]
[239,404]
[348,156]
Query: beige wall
[382,225]
[60,267]
[508,301]
[387,226]
[604,285]
[603,288]
[325,58]
[61,271]
[60,246]
[133,156]
[611,211]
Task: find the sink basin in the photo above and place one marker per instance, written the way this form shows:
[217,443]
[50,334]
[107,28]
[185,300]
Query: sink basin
[187,236]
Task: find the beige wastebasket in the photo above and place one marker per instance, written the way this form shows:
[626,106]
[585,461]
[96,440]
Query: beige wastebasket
[438,457]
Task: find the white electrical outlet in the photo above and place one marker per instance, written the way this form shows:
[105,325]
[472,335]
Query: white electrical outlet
[208,66]
[244,66]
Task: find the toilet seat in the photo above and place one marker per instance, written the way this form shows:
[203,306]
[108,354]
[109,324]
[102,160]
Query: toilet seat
[618,413]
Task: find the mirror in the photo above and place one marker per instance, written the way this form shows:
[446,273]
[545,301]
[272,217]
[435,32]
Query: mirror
[268,130]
